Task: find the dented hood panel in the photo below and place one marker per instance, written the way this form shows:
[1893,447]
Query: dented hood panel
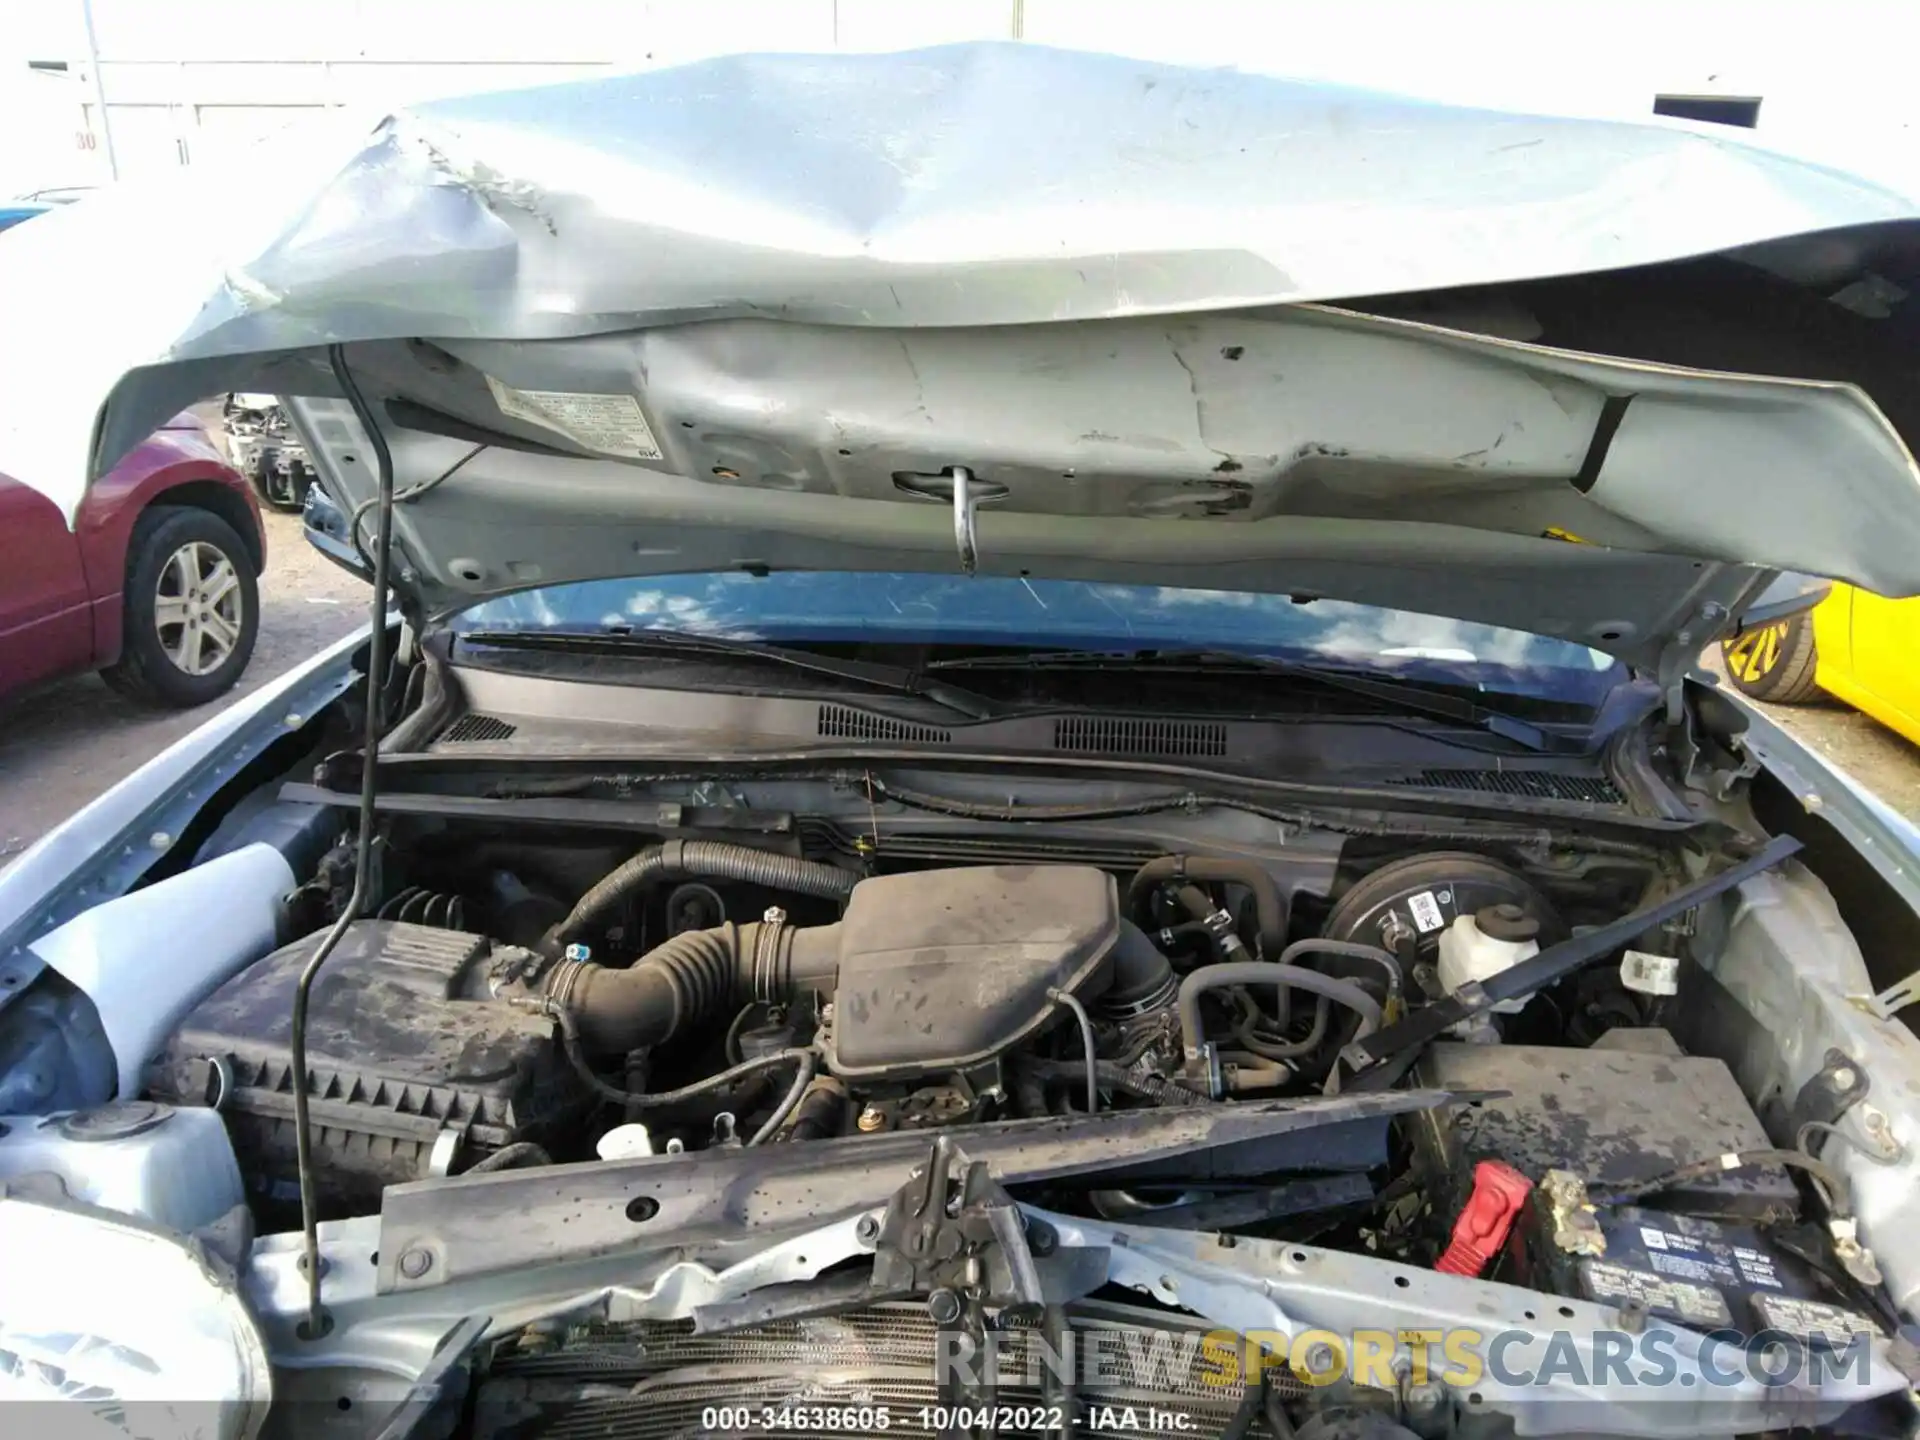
[750,311]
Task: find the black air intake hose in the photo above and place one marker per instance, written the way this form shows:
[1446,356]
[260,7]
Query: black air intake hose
[1142,977]
[708,859]
[694,978]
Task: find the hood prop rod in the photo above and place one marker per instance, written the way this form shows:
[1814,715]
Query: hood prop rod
[318,1323]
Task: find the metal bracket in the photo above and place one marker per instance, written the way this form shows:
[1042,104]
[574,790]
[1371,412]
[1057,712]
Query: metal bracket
[952,1236]
[957,486]
[1836,1087]
[1680,656]
[1895,998]
[426,1408]
[1703,765]
[953,1229]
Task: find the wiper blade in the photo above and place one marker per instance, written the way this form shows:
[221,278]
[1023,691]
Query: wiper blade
[1399,693]
[895,678]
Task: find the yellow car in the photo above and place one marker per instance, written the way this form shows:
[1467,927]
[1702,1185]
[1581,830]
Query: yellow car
[1855,645]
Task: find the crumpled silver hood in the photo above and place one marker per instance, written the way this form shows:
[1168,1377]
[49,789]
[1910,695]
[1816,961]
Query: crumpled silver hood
[753,312]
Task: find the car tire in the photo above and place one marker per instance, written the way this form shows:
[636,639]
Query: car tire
[1775,663]
[192,609]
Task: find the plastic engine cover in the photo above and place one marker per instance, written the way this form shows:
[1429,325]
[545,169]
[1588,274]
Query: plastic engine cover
[945,969]
[412,1067]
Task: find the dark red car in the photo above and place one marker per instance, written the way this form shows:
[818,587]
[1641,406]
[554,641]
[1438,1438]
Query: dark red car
[155,586]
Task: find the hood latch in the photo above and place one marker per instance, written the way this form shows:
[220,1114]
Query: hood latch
[950,1236]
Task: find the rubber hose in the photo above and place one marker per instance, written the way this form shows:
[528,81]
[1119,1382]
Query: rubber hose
[1114,1077]
[821,1114]
[802,1078]
[1196,902]
[1029,1097]
[521,1155]
[638,1100]
[708,859]
[1288,1049]
[1087,1043]
[1260,972]
[1350,950]
[691,980]
[1269,906]
[1141,973]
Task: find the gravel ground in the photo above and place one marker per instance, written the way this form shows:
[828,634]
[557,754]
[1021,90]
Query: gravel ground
[1886,763]
[1883,761]
[63,743]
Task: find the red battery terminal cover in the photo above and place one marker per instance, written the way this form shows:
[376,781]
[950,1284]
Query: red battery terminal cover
[1498,1193]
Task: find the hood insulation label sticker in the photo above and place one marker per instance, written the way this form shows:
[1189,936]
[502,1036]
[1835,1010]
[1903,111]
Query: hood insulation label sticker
[610,424]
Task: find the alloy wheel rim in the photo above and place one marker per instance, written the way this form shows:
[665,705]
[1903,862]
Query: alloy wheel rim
[197,608]
[1757,652]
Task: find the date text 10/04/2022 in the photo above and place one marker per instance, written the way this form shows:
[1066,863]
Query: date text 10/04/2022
[940,1419]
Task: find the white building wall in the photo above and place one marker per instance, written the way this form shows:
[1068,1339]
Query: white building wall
[192,80]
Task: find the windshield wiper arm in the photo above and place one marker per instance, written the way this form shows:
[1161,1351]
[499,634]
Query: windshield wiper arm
[896,678]
[1416,698]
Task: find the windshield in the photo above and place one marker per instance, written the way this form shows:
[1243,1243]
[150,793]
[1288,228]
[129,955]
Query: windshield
[798,608]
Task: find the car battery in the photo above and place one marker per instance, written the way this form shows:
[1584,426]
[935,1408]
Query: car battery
[1704,1274]
[1613,1116]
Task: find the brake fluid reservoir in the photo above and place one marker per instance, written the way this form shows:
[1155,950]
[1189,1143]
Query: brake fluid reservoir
[1479,946]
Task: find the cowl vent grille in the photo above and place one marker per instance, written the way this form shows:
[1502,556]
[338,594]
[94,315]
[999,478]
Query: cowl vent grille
[1110,735]
[1530,784]
[476,729]
[842,722]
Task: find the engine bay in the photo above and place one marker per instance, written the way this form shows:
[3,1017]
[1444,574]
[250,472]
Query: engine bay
[511,1003]
[637,1072]
[922,998]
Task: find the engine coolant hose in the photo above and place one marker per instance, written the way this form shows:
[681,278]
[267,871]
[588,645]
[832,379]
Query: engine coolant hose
[1260,972]
[521,1155]
[707,859]
[1350,950]
[1269,906]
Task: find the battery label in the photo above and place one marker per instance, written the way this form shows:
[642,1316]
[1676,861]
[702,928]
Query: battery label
[1620,1284]
[1756,1267]
[1683,1265]
[1709,1258]
[1811,1318]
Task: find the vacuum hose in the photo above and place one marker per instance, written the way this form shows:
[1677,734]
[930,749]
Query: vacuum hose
[708,859]
[694,978]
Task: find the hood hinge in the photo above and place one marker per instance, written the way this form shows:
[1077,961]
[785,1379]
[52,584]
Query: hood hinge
[1680,653]
[1702,765]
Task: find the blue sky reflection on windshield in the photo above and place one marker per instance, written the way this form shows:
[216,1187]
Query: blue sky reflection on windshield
[883,608]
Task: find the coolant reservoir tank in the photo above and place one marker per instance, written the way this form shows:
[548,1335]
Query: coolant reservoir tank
[1481,945]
